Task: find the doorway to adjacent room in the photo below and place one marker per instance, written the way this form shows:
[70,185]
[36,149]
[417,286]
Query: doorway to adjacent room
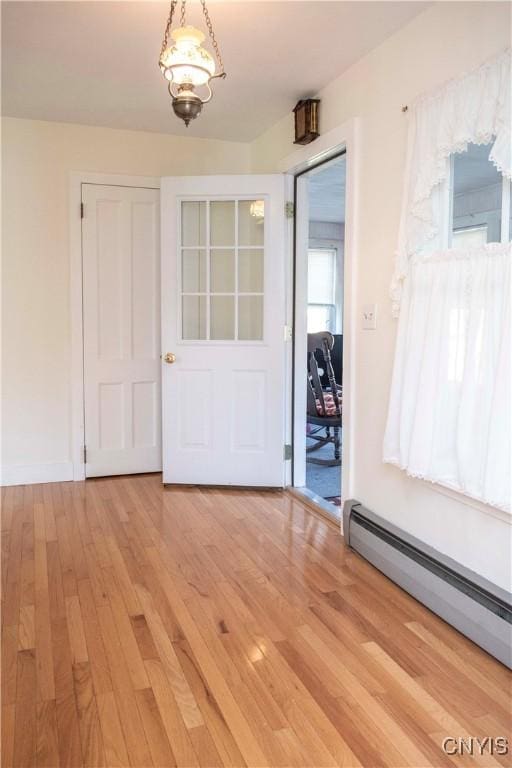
[319,305]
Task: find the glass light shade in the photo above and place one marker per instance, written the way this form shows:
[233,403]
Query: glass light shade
[186,62]
[257,209]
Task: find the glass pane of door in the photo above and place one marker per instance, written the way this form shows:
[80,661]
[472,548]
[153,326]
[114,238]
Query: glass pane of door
[194,317]
[251,222]
[250,270]
[193,223]
[193,266]
[222,270]
[222,223]
[222,317]
[250,317]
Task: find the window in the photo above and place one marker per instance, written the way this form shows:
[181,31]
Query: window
[480,199]
[321,289]
[468,237]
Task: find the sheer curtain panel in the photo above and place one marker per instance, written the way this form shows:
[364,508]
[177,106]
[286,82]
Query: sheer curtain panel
[449,418]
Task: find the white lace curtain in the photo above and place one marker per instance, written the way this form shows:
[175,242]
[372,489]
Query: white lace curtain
[449,414]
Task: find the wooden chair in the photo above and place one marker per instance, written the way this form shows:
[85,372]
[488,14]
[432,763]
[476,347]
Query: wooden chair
[317,408]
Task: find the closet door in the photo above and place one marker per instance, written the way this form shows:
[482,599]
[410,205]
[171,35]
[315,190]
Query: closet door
[121,283]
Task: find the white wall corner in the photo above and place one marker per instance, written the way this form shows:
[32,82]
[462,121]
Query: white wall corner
[29,474]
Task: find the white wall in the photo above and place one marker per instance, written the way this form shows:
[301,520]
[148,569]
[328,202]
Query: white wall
[443,42]
[37,159]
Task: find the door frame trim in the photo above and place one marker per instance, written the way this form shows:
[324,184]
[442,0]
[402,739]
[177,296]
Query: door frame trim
[344,137]
[76,179]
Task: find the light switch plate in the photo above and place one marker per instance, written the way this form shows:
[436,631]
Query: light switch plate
[369,313]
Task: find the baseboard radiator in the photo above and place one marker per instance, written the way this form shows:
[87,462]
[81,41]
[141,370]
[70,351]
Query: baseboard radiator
[470,603]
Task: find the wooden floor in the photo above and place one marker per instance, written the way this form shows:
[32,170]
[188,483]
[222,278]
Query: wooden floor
[144,626]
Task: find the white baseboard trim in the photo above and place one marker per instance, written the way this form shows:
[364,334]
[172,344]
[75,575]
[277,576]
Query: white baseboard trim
[29,474]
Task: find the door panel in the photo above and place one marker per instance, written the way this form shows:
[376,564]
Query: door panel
[223,309]
[121,271]
[248,429]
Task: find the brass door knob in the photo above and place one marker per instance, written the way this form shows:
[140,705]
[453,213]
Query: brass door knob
[169,357]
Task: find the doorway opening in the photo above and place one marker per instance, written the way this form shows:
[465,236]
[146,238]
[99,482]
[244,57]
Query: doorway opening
[318,348]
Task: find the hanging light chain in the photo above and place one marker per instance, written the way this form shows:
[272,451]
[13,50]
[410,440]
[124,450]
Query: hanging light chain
[182,18]
[165,41]
[212,37]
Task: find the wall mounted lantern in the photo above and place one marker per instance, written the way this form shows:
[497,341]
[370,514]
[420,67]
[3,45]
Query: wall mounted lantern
[306,121]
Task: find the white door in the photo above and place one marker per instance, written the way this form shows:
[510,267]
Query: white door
[223,315]
[121,284]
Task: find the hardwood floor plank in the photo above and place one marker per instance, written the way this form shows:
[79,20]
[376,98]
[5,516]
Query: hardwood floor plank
[73,530]
[114,743]
[9,664]
[123,578]
[119,672]
[42,618]
[95,648]
[64,542]
[157,740]
[174,725]
[25,725]
[50,528]
[27,596]
[196,627]
[68,729]
[91,738]
[47,750]
[147,647]
[184,697]
[134,734]
[70,752]
[76,630]
[204,747]
[95,576]
[8,728]
[8,493]
[12,596]
[125,633]
[26,629]
[307,735]
[216,726]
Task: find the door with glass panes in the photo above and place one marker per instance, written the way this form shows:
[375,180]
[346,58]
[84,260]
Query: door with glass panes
[223,315]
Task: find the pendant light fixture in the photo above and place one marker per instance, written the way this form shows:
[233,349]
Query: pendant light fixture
[186,65]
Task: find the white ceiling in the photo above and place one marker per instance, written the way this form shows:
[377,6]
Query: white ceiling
[326,192]
[96,62]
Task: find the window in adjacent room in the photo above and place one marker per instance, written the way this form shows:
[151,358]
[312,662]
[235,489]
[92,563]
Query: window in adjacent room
[321,290]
